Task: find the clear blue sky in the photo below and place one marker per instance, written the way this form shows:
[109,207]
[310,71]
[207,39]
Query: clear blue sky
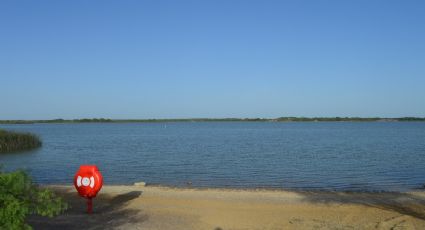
[178,59]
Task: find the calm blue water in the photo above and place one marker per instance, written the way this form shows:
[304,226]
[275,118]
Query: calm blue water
[323,155]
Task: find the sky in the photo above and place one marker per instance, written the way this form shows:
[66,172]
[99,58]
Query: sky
[211,59]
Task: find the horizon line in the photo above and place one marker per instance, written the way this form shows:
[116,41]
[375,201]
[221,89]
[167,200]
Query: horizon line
[285,118]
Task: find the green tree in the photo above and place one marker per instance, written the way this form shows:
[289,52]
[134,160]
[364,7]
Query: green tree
[19,197]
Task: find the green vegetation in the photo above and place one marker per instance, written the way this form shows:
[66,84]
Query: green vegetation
[19,197]
[336,119]
[280,119]
[411,119]
[13,141]
[367,119]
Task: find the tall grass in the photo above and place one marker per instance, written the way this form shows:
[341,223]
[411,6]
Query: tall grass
[13,141]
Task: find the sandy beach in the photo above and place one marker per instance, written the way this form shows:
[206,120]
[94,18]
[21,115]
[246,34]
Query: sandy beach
[139,207]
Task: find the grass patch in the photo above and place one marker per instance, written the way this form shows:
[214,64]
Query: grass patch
[14,141]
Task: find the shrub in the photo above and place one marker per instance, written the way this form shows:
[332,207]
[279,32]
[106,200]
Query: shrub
[19,197]
[13,141]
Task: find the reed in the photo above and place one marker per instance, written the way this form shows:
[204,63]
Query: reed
[14,141]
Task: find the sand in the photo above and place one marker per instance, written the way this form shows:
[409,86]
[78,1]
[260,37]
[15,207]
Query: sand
[134,207]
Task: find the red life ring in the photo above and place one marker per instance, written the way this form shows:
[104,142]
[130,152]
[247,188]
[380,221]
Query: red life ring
[88,181]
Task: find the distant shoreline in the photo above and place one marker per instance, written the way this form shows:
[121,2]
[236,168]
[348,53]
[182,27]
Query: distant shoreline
[280,119]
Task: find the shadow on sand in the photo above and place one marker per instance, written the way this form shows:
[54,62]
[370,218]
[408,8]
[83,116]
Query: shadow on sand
[402,203]
[108,213]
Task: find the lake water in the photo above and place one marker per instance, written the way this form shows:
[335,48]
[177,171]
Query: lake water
[312,155]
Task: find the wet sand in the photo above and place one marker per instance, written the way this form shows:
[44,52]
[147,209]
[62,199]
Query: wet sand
[134,207]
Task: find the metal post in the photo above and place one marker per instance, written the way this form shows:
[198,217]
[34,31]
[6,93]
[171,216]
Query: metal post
[89,205]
